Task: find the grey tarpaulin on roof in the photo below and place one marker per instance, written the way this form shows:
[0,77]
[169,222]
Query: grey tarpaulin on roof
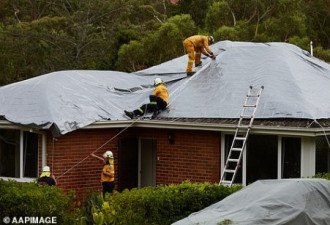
[271,202]
[296,86]
[67,100]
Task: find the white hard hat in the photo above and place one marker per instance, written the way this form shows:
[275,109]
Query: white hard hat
[46,169]
[108,154]
[211,38]
[158,81]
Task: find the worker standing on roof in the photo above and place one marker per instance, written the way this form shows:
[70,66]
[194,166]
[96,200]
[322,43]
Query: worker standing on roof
[46,177]
[108,172]
[195,45]
[158,101]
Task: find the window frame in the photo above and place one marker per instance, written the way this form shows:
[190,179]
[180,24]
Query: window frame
[307,151]
[21,178]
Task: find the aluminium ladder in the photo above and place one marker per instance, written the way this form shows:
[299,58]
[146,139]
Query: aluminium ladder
[240,138]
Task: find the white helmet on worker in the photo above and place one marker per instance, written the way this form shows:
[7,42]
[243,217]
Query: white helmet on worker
[158,81]
[46,169]
[108,154]
[211,39]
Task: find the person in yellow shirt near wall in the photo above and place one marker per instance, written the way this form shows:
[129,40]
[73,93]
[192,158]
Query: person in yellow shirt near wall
[158,101]
[46,177]
[195,45]
[108,172]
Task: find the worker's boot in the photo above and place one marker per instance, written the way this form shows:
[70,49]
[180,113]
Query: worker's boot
[198,64]
[155,114]
[190,73]
[129,114]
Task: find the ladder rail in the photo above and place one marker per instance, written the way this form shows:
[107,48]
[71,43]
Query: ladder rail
[239,137]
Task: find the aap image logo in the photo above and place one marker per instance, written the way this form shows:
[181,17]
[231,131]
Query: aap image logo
[6,220]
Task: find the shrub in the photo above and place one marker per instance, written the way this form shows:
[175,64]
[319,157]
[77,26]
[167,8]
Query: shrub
[159,205]
[33,200]
[322,175]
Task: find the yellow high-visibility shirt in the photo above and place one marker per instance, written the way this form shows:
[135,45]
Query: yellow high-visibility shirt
[201,41]
[108,169]
[162,92]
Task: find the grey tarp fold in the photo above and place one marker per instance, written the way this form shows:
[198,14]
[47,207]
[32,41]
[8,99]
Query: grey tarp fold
[270,202]
[296,86]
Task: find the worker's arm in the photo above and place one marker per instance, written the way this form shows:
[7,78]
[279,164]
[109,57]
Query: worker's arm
[204,52]
[212,56]
[157,91]
[206,46]
[97,157]
[107,173]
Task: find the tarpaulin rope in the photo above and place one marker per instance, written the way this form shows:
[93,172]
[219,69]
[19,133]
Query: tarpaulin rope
[107,142]
[182,86]
[325,135]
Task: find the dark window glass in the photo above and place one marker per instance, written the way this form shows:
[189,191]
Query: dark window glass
[30,155]
[9,153]
[291,157]
[322,155]
[261,158]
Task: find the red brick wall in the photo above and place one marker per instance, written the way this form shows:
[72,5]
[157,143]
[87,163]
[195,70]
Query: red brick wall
[73,147]
[194,156]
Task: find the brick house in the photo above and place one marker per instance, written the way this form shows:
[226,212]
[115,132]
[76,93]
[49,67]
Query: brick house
[58,119]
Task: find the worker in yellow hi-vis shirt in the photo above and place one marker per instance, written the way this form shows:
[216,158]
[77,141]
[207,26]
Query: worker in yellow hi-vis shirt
[158,101]
[108,172]
[195,45]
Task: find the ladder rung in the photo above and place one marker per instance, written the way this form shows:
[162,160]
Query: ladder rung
[225,182]
[252,96]
[249,105]
[233,160]
[246,127]
[241,138]
[229,171]
[237,149]
[246,116]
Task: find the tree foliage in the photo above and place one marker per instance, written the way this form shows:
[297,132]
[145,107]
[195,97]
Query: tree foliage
[37,37]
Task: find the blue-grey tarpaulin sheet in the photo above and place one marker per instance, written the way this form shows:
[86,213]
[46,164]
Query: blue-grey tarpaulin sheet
[296,86]
[271,202]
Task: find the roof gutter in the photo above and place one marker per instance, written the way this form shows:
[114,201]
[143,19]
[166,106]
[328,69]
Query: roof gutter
[219,127]
[256,129]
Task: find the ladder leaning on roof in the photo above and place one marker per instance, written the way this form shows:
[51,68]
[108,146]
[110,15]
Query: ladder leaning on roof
[241,135]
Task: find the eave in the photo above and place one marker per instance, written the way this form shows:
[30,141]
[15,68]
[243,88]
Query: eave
[219,127]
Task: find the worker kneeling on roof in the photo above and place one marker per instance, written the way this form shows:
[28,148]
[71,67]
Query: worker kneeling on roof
[158,101]
[195,45]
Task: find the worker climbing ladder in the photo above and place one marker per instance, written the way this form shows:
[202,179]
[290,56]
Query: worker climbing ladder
[241,135]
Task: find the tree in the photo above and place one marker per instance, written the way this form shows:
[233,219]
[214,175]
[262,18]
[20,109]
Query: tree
[163,45]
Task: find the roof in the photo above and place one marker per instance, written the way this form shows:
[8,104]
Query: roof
[296,87]
[287,201]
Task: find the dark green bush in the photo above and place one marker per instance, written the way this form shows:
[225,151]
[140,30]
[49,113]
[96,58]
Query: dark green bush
[33,200]
[322,175]
[159,205]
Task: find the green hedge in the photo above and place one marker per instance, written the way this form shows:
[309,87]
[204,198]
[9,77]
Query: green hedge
[33,200]
[322,175]
[158,205]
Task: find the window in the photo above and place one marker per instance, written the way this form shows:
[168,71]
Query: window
[273,157]
[322,164]
[9,153]
[30,155]
[18,154]
[291,157]
[261,154]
